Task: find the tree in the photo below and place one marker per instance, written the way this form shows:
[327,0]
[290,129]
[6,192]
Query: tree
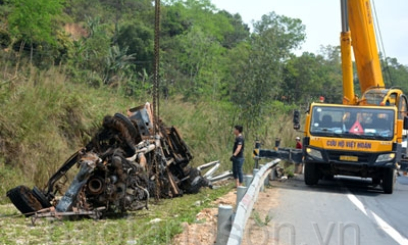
[137,39]
[81,10]
[198,59]
[272,42]
[284,33]
[174,20]
[310,76]
[204,14]
[92,52]
[239,33]
[34,21]
[194,50]
[118,64]
[395,74]
[306,78]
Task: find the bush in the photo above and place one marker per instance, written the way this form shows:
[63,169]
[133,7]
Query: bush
[9,178]
[5,39]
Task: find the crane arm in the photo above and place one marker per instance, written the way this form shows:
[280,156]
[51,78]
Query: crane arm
[346,60]
[364,44]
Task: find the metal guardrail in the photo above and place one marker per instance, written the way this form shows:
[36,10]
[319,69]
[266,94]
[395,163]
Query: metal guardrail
[245,206]
[290,154]
[404,165]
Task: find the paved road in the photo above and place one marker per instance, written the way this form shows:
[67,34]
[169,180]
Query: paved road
[342,211]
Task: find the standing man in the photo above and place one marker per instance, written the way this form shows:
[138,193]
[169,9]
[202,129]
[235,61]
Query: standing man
[299,166]
[298,143]
[237,157]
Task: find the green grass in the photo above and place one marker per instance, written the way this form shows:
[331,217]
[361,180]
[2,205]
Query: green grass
[135,228]
[258,220]
[207,128]
[46,117]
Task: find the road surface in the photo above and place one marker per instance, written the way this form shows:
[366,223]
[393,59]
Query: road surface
[342,211]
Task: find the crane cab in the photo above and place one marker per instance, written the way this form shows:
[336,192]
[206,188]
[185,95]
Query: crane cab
[388,97]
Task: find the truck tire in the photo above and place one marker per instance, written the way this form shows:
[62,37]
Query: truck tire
[389,180]
[195,182]
[41,197]
[311,174]
[376,181]
[24,200]
[129,126]
[329,177]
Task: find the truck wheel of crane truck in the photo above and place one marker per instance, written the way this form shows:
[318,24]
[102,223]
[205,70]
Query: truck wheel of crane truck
[376,181]
[388,180]
[312,173]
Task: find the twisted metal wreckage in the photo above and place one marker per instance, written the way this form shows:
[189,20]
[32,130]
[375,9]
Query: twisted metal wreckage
[126,162]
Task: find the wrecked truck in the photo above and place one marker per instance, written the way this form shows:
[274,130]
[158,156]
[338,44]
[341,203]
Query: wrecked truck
[127,161]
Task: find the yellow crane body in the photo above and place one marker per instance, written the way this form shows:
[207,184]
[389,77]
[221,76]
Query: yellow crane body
[364,44]
[362,136]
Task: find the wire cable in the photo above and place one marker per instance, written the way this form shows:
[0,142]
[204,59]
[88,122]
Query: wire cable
[381,45]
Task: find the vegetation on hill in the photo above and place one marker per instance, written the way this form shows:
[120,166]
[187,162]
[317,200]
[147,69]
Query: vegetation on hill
[67,63]
[64,64]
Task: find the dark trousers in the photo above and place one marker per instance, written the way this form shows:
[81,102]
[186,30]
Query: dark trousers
[237,168]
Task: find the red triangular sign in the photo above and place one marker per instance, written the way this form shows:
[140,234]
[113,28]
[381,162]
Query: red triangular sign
[356,128]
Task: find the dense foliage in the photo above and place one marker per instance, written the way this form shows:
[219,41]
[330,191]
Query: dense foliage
[207,54]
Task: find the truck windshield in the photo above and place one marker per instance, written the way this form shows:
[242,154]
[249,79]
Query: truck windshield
[349,122]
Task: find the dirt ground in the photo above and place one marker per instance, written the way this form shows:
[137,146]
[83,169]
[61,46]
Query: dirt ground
[204,231]
[257,230]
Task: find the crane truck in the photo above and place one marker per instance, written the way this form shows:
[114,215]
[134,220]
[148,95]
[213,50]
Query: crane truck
[363,136]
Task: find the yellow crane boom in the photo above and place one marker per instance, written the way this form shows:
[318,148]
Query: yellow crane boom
[364,44]
[358,33]
[346,57]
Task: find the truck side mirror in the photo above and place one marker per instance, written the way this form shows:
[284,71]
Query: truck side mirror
[296,120]
[405,123]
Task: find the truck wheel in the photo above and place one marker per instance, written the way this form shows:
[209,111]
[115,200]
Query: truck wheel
[389,180]
[329,177]
[129,126]
[24,200]
[311,174]
[376,181]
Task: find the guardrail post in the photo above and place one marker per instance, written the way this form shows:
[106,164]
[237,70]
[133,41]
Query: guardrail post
[256,152]
[247,180]
[266,181]
[255,171]
[277,143]
[224,224]
[273,174]
[241,190]
[244,209]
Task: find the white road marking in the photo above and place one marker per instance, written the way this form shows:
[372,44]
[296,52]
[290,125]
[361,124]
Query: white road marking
[380,222]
